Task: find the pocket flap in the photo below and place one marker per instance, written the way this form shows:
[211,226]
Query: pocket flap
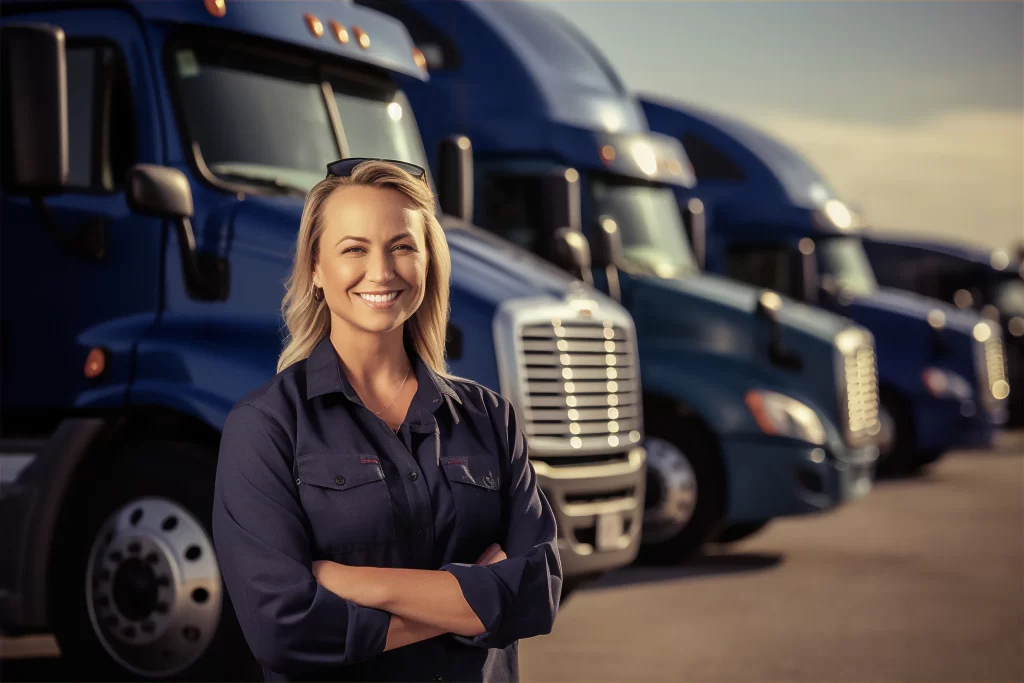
[339,471]
[470,471]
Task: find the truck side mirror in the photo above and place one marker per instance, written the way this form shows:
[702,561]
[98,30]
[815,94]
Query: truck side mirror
[572,253]
[158,191]
[608,253]
[455,177]
[164,192]
[769,304]
[607,250]
[35,105]
[695,221]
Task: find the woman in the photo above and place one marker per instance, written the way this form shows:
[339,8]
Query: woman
[374,517]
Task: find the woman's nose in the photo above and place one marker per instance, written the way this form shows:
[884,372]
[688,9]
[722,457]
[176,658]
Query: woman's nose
[381,268]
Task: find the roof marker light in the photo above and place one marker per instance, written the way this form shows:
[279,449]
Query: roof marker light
[419,58]
[314,24]
[339,31]
[362,37]
[217,8]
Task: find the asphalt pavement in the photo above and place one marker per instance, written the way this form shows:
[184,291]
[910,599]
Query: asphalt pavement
[923,580]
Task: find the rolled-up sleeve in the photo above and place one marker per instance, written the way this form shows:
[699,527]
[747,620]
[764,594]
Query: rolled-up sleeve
[517,597]
[292,624]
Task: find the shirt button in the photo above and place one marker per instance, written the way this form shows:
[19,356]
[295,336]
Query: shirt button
[339,480]
[298,481]
[414,476]
[438,677]
[421,534]
[488,481]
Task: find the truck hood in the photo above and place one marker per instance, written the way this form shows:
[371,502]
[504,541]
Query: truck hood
[889,305]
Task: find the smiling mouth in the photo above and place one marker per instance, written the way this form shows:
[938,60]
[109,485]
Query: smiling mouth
[379,298]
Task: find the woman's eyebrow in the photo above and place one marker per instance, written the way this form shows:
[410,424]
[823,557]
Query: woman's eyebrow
[396,238]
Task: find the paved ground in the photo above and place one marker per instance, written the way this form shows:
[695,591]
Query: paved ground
[921,581]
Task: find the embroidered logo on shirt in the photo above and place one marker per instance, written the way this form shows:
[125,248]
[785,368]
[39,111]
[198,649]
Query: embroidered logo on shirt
[369,461]
[458,460]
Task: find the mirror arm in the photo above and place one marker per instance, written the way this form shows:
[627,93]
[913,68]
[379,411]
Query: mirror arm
[206,275]
[611,273]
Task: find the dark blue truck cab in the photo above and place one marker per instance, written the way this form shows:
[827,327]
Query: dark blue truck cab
[773,221]
[156,159]
[755,407]
[990,282]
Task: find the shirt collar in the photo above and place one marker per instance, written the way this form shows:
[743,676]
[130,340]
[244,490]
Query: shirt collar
[324,376]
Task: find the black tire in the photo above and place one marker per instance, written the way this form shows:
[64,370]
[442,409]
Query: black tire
[734,533]
[926,458]
[179,474]
[902,458]
[700,449]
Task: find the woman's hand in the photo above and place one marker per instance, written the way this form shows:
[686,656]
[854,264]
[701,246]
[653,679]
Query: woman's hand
[493,554]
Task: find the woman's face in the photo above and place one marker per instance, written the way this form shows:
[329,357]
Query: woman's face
[373,258]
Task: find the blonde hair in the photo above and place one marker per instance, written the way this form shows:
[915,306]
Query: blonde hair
[308,321]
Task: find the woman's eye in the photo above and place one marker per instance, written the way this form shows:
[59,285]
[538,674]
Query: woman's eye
[351,249]
[407,247]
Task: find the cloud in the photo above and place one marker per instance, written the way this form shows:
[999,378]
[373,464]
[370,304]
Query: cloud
[957,175]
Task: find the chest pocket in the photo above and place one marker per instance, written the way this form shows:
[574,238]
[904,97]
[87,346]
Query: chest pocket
[476,488]
[347,501]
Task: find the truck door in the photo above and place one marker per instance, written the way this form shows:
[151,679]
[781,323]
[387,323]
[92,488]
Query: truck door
[80,270]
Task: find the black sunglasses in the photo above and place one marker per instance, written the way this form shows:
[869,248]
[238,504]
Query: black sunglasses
[343,168]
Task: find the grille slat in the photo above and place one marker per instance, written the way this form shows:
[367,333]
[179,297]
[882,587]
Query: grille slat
[861,375]
[581,384]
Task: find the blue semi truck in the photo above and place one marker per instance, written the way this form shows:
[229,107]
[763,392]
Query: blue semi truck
[773,220]
[990,282]
[755,407]
[156,157]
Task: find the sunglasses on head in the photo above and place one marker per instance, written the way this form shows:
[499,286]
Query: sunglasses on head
[343,168]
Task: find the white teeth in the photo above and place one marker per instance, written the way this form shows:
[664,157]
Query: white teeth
[379,298]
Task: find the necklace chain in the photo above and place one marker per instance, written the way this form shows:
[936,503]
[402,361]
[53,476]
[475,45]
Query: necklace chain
[400,387]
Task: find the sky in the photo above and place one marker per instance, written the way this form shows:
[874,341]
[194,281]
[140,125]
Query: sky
[914,111]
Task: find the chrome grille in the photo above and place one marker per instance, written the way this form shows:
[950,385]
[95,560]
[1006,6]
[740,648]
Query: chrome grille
[859,387]
[581,384]
[571,371]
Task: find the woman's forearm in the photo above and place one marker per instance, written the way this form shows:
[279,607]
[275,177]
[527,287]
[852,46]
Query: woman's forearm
[402,632]
[428,597]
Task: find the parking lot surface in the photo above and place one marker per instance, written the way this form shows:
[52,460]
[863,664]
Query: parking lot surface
[923,580]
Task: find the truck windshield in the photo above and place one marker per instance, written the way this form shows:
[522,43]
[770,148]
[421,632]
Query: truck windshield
[268,123]
[844,261]
[652,230]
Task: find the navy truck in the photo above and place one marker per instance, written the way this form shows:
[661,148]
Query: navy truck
[156,157]
[755,407]
[990,282]
[773,220]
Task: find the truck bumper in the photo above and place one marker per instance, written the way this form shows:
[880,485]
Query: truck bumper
[944,424]
[774,478]
[581,495]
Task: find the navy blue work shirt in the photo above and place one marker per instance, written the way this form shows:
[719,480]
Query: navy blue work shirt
[307,472]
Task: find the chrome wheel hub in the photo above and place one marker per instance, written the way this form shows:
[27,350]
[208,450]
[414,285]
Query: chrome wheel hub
[153,587]
[671,491]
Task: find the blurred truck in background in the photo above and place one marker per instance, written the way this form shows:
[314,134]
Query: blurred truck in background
[156,158]
[990,282]
[772,220]
[754,408]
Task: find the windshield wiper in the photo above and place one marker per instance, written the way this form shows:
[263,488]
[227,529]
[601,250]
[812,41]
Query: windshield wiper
[262,181]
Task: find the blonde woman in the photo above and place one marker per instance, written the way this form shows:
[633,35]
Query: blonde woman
[376,518]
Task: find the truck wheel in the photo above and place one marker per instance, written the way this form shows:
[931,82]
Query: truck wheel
[137,591]
[740,531]
[685,494]
[897,456]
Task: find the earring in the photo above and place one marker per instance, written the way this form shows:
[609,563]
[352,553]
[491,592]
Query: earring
[313,293]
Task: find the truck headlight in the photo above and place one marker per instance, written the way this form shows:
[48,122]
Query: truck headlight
[780,415]
[946,384]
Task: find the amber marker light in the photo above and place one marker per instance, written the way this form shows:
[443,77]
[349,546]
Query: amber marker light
[607,154]
[339,32]
[217,8]
[314,24]
[95,363]
[419,58]
[361,36]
